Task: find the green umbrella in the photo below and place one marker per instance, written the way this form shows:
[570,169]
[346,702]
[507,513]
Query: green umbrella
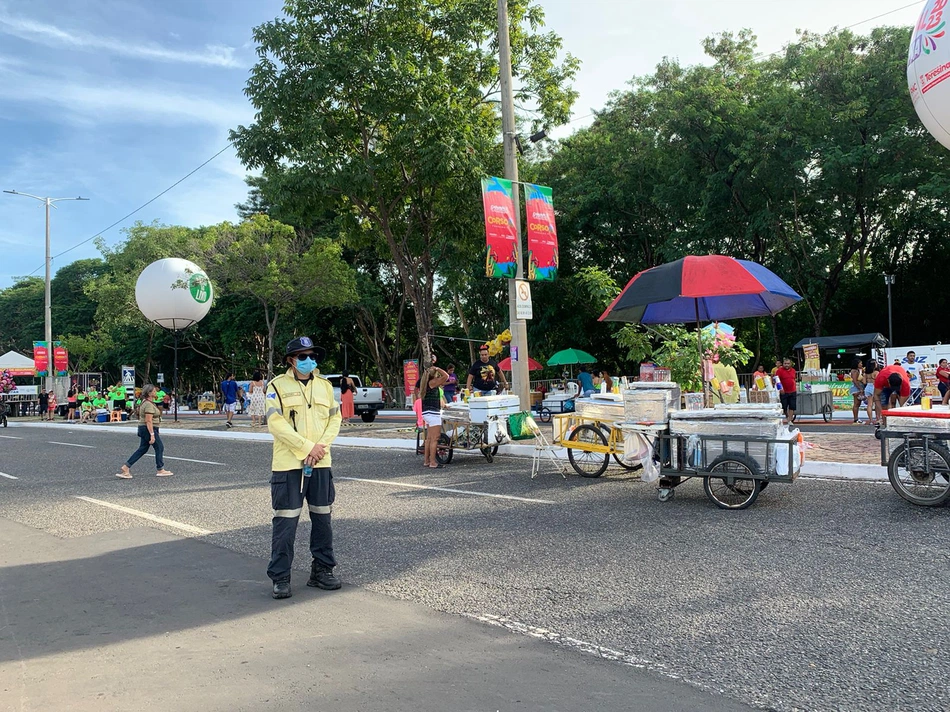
[569,356]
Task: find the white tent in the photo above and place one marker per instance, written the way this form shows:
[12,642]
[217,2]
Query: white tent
[15,362]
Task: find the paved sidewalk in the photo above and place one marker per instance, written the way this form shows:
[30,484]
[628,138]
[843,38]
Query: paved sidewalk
[141,619]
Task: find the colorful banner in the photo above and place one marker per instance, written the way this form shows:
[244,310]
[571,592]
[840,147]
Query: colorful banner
[410,374]
[812,357]
[41,358]
[542,233]
[60,359]
[501,233]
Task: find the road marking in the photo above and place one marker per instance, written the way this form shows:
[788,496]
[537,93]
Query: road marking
[150,517]
[53,442]
[448,489]
[185,459]
[10,437]
[9,477]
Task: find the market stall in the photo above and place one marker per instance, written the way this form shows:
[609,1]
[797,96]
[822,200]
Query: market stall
[914,449]
[736,449]
[821,361]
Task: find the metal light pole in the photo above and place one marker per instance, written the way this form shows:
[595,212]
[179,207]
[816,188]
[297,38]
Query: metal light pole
[889,280]
[48,312]
[519,332]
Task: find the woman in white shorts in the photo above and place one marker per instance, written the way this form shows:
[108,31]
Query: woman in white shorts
[430,393]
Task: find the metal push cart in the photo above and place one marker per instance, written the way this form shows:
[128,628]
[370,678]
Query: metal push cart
[590,442]
[918,465]
[480,424]
[815,403]
[734,469]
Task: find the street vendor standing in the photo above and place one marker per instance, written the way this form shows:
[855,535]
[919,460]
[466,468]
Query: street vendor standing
[304,418]
[485,374]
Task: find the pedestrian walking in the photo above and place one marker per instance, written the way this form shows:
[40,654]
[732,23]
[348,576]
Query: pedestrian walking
[256,390]
[787,377]
[229,394]
[347,389]
[150,416]
[303,416]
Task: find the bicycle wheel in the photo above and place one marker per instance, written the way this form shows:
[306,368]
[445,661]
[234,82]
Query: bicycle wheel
[443,452]
[919,475]
[620,462]
[588,464]
[730,484]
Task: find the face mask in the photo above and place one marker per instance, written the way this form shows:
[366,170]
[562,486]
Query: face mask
[306,366]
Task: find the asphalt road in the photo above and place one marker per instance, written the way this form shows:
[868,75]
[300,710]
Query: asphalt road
[822,596]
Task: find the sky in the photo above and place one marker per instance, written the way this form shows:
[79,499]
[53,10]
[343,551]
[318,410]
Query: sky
[116,100]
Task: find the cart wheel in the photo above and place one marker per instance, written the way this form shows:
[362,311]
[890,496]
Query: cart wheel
[544,415]
[877,432]
[827,413]
[907,471]
[620,462]
[588,464]
[489,453]
[665,494]
[443,452]
[730,483]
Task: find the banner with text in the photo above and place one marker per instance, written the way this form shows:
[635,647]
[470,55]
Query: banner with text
[41,358]
[410,374]
[60,359]
[542,233]
[501,234]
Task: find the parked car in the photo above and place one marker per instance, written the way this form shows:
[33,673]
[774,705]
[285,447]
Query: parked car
[366,401]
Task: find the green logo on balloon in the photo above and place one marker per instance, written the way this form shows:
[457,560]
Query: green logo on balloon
[200,288]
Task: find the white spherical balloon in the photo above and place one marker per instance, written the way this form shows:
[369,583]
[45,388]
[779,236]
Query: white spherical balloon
[928,69]
[174,293]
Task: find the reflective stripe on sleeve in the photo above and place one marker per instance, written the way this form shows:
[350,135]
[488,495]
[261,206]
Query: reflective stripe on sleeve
[334,411]
[271,411]
[288,513]
[316,509]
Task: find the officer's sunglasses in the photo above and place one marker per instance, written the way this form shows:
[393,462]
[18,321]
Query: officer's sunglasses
[301,357]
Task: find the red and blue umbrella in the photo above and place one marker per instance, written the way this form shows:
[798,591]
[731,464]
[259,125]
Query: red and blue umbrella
[701,288]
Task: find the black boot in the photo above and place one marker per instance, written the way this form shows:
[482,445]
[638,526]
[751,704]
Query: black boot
[322,577]
[282,589]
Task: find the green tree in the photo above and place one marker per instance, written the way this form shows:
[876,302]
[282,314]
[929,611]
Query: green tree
[387,111]
[279,268]
[22,307]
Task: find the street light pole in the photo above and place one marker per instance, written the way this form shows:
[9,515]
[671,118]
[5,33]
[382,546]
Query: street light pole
[889,280]
[48,308]
[519,332]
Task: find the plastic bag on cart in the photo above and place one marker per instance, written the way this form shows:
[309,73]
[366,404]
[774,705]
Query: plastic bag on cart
[638,450]
[781,452]
[694,451]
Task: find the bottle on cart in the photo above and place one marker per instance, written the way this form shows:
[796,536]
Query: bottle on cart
[743,395]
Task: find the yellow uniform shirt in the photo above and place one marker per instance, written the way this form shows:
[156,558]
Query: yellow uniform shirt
[299,415]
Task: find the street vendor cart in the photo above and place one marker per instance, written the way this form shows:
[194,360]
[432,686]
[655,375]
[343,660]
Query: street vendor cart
[916,452]
[590,434]
[207,403]
[736,450]
[480,424]
[815,400]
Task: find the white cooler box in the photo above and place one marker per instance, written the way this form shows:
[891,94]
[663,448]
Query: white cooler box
[485,407]
[914,419]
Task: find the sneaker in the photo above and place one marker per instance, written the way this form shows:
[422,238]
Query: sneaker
[229,425]
[282,589]
[322,577]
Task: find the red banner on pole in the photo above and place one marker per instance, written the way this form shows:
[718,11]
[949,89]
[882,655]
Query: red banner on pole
[60,360]
[410,374]
[542,233]
[501,234]
[41,358]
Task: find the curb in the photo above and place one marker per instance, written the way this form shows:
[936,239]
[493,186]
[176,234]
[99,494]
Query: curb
[810,470]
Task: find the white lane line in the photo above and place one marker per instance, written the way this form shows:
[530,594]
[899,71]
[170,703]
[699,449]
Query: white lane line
[9,477]
[448,489]
[185,459]
[53,442]
[10,437]
[150,517]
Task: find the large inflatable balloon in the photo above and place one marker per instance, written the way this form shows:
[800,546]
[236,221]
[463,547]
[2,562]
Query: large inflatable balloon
[174,293]
[928,69]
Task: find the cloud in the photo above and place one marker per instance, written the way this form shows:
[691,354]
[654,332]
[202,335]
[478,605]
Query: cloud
[114,102]
[52,36]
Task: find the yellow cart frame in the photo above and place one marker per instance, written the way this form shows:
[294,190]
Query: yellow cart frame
[590,442]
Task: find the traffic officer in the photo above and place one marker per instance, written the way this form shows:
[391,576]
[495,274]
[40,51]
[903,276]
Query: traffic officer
[304,419]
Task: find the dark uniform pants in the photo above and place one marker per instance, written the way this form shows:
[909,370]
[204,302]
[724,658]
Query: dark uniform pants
[287,500]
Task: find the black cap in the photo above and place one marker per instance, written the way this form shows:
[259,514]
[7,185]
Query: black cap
[304,343]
